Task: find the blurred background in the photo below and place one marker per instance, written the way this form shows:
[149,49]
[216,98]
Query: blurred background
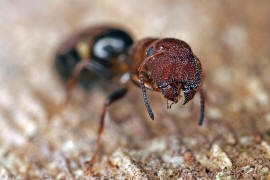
[232,40]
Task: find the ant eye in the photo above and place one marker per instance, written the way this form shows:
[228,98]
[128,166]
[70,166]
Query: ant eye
[150,51]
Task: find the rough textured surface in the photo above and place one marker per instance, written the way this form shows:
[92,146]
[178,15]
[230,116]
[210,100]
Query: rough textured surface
[232,41]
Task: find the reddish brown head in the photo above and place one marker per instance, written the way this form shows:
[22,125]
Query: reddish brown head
[166,65]
[172,66]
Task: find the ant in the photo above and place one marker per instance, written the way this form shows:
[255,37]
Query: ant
[165,65]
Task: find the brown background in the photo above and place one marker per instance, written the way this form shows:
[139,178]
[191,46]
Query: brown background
[232,40]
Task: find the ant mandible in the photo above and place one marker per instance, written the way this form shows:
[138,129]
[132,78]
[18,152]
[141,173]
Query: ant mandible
[165,65]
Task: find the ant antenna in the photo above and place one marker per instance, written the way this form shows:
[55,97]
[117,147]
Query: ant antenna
[150,112]
[202,107]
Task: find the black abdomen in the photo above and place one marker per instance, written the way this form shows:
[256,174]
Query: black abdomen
[103,47]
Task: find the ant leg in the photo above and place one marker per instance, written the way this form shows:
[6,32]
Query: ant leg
[70,85]
[202,107]
[116,95]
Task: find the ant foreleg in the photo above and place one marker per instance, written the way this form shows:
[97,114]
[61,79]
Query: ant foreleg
[116,95]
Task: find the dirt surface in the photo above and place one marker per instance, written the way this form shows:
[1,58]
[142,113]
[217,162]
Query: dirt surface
[232,40]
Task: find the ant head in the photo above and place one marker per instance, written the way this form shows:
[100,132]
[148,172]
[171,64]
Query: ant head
[169,66]
[173,67]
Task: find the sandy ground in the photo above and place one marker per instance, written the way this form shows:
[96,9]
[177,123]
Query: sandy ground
[230,38]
